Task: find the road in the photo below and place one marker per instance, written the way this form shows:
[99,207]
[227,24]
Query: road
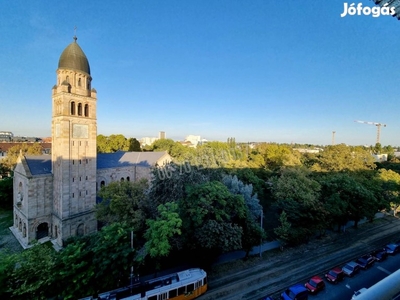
[273,274]
[367,278]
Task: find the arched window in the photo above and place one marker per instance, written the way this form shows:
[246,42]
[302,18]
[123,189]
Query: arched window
[80,109]
[20,194]
[86,110]
[67,79]
[102,184]
[79,82]
[122,179]
[72,108]
[128,179]
[80,231]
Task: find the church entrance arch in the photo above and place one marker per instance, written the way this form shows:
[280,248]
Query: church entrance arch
[42,231]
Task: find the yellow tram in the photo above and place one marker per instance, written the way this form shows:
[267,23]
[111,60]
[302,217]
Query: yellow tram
[188,284]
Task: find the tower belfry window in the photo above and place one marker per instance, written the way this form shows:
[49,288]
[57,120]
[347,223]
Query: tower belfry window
[86,110]
[80,109]
[79,82]
[72,108]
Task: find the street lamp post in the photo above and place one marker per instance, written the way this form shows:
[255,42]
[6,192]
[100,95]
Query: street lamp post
[261,224]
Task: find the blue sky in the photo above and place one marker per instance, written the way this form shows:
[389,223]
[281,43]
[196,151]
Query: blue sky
[259,70]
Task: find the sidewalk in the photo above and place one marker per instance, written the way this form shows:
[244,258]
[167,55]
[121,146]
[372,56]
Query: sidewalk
[235,255]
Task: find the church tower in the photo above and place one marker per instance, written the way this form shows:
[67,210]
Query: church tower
[74,149]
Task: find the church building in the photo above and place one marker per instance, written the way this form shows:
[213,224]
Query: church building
[55,195]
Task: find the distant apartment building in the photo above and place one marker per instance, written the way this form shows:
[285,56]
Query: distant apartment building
[302,150]
[147,141]
[380,157]
[6,136]
[193,140]
[162,135]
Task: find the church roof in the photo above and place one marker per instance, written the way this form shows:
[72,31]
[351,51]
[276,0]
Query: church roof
[39,164]
[74,58]
[124,159]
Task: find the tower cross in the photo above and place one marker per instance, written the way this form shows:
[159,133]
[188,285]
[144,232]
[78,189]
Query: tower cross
[75,38]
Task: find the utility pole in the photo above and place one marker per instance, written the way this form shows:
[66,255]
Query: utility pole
[333,137]
[261,224]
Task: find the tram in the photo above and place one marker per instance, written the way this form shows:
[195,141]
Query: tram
[188,284]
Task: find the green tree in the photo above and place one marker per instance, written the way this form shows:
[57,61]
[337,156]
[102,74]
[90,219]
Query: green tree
[112,143]
[212,217]
[390,182]
[378,148]
[237,187]
[91,264]
[160,231]
[32,277]
[276,156]
[344,158]
[298,195]
[283,231]
[6,192]
[124,202]
[76,270]
[7,266]
[343,193]
[114,251]
[169,184]
[134,145]
[13,153]
[175,149]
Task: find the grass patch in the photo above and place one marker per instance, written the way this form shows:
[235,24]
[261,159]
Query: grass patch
[7,240]
[6,220]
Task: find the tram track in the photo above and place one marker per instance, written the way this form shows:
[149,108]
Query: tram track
[298,264]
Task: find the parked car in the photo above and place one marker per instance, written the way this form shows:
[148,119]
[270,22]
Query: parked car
[392,249]
[357,293]
[335,275]
[351,268]
[315,284]
[365,261]
[298,292]
[379,254]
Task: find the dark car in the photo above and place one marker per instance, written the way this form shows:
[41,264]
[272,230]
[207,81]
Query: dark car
[335,275]
[351,268]
[298,292]
[315,284]
[392,249]
[365,261]
[379,255]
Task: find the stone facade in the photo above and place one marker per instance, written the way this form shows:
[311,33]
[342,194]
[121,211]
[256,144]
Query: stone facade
[55,196]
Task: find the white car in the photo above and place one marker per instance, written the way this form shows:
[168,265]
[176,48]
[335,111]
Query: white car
[356,293]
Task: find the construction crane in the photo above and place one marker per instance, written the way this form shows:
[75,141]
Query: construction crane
[378,127]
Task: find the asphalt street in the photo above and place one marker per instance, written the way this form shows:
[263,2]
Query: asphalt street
[365,278]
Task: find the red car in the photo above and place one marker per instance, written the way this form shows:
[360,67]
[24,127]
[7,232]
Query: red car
[315,284]
[335,275]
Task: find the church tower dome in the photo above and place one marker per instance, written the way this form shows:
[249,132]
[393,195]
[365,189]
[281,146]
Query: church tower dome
[73,73]
[74,58]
